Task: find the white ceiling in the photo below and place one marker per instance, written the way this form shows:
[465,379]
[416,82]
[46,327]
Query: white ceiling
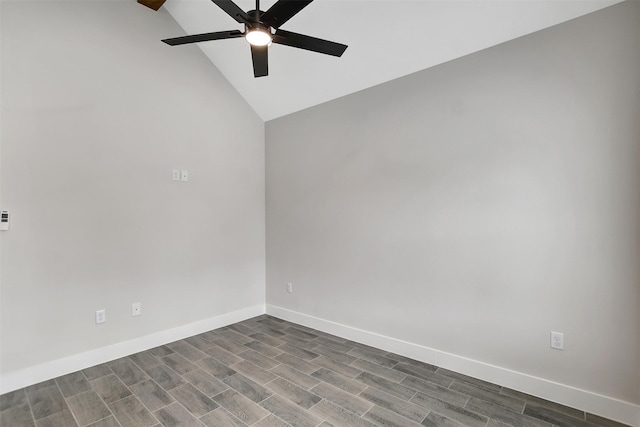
[387,39]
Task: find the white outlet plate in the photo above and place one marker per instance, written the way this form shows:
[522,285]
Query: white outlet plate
[176,174]
[557,340]
[136,309]
[289,287]
[101,316]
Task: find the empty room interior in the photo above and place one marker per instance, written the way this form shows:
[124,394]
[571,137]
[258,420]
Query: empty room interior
[441,227]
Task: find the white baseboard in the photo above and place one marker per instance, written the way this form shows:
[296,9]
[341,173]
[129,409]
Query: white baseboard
[35,374]
[584,400]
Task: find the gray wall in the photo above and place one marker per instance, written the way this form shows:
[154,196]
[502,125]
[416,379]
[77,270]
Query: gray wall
[96,112]
[476,206]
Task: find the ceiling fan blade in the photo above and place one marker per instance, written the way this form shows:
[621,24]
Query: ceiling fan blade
[233,11]
[152,4]
[260,57]
[219,35]
[301,41]
[282,11]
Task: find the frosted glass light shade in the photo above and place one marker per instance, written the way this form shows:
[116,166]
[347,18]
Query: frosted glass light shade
[258,38]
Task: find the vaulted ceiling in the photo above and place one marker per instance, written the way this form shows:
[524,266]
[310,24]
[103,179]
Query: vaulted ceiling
[387,39]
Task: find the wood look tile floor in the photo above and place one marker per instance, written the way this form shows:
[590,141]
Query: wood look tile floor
[266,372]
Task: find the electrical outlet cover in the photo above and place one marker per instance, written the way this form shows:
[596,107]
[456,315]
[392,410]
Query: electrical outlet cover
[557,340]
[101,316]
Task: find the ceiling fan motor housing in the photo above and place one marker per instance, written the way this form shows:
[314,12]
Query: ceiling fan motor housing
[258,26]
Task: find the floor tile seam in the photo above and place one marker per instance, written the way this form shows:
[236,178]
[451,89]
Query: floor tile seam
[334,359]
[153,413]
[263,418]
[321,367]
[188,360]
[266,370]
[280,419]
[458,406]
[317,403]
[193,385]
[31,405]
[427,414]
[522,412]
[473,412]
[33,416]
[366,412]
[106,404]
[191,413]
[373,373]
[225,410]
[213,345]
[97,421]
[236,342]
[385,391]
[269,344]
[488,401]
[301,349]
[239,392]
[300,372]
[284,397]
[388,409]
[459,380]
[341,407]
[584,413]
[58,384]
[74,415]
[508,410]
[140,366]
[396,413]
[133,395]
[161,407]
[214,395]
[561,415]
[116,420]
[271,357]
[351,394]
[371,361]
[425,380]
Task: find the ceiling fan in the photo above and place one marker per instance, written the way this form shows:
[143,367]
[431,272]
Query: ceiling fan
[263,28]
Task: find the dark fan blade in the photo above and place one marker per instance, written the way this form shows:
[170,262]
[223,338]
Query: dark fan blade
[152,4]
[220,35]
[282,11]
[301,41]
[233,10]
[260,57]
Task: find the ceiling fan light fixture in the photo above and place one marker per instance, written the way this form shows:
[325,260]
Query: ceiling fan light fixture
[261,29]
[258,37]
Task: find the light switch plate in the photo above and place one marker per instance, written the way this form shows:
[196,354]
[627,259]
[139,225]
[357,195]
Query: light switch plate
[4,220]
